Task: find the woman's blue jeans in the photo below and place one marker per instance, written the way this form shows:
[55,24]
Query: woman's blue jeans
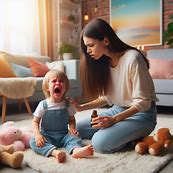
[115,137]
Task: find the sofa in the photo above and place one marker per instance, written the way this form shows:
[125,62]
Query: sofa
[71,68]
[161,68]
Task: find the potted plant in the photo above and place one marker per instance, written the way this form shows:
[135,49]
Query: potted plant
[168,34]
[71,18]
[67,51]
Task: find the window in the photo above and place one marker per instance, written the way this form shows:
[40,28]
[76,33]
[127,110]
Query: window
[19,28]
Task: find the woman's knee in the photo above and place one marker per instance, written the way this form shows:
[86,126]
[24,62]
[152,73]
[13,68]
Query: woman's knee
[100,144]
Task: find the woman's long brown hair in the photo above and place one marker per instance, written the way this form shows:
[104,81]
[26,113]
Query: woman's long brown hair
[95,74]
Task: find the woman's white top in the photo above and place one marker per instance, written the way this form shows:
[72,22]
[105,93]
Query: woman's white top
[131,83]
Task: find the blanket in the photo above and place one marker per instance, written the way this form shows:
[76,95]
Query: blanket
[17,88]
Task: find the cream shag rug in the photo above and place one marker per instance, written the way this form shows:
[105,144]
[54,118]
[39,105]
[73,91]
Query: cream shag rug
[124,161]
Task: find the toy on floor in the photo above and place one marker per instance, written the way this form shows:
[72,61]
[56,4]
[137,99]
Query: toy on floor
[10,157]
[18,137]
[154,144]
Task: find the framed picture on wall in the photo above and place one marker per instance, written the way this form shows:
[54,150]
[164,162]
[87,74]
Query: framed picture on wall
[137,22]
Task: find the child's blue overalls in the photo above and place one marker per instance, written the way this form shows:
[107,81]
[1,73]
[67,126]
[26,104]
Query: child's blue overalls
[54,127]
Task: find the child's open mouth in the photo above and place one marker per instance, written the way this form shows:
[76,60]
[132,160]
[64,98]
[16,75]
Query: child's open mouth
[57,90]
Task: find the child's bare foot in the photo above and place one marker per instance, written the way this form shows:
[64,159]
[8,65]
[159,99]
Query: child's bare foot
[82,152]
[59,155]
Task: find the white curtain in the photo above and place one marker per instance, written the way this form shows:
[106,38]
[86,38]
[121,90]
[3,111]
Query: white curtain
[19,27]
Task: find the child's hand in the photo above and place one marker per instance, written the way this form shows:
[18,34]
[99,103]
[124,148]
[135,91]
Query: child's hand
[40,140]
[77,107]
[74,132]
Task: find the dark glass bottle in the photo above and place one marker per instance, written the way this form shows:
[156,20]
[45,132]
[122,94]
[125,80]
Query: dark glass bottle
[93,115]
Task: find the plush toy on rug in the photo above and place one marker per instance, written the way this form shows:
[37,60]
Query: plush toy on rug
[154,144]
[10,157]
[18,137]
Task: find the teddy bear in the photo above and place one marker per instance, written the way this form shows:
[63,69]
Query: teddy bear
[18,137]
[10,157]
[154,144]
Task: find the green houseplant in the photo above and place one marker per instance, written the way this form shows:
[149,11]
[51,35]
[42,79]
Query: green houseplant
[168,34]
[66,50]
[71,18]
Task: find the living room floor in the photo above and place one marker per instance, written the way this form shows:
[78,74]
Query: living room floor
[14,115]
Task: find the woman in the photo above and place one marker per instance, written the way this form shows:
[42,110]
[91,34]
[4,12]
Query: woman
[114,73]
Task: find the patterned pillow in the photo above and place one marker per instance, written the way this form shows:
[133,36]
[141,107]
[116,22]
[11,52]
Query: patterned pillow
[161,68]
[38,69]
[5,70]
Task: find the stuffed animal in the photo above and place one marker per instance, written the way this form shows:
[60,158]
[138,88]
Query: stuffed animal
[18,137]
[10,157]
[154,144]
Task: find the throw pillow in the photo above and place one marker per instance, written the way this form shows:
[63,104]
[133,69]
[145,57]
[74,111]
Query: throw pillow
[58,65]
[38,69]
[21,71]
[5,70]
[161,68]
[16,59]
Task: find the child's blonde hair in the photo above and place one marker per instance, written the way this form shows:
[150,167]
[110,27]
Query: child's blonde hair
[51,74]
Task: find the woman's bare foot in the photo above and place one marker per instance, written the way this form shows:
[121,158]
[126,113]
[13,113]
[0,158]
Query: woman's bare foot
[59,155]
[82,152]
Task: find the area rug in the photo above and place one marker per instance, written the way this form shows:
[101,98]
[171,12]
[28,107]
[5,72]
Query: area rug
[125,161]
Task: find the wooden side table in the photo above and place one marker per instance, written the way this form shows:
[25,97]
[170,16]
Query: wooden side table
[4,107]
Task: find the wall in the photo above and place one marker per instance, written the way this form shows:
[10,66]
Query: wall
[103,12]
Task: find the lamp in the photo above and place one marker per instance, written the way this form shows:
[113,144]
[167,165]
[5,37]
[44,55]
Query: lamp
[86,17]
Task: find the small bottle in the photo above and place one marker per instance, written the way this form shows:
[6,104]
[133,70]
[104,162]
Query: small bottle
[93,115]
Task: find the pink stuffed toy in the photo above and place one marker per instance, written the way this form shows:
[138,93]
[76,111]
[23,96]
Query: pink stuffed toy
[18,137]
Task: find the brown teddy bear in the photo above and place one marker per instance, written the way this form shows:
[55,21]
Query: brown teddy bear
[154,144]
[10,157]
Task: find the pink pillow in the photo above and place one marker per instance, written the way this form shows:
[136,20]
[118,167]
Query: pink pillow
[161,68]
[38,69]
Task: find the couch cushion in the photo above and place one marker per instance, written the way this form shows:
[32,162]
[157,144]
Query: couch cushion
[21,71]
[39,83]
[5,69]
[23,60]
[161,68]
[16,60]
[163,86]
[38,69]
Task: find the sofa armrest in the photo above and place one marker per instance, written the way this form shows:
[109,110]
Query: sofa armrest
[71,68]
[160,53]
[72,71]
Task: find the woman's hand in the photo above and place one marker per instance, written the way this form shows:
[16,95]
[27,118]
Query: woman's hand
[40,140]
[74,132]
[102,121]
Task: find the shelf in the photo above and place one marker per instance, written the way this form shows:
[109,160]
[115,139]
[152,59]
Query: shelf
[65,30]
[66,4]
[68,24]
